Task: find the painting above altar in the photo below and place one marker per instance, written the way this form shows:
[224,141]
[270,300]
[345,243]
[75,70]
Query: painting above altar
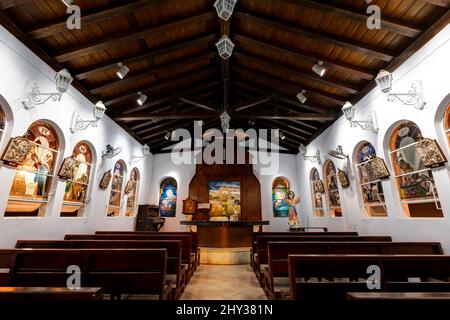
[225,199]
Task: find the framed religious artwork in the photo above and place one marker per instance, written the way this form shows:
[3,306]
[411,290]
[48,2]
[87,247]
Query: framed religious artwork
[376,169]
[431,153]
[342,176]
[318,186]
[16,151]
[129,186]
[68,168]
[106,179]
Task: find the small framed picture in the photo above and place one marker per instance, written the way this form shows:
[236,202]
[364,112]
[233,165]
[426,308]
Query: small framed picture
[342,176]
[431,154]
[16,151]
[68,168]
[106,179]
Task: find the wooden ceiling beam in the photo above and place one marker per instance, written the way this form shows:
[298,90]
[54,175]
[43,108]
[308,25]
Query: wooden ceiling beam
[168,84]
[439,3]
[115,40]
[294,116]
[390,24]
[152,72]
[6,4]
[309,56]
[355,46]
[289,84]
[90,16]
[276,66]
[112,64]
[197,103]
[142,116]
[250,104]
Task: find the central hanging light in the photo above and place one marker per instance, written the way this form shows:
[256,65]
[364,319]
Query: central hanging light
[225,121]
[225,8]
[225,47]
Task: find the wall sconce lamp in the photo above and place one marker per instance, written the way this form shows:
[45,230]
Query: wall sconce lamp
[63,79]
[370,124]
[314,158]
[145,152]
[414,97]
[79,124]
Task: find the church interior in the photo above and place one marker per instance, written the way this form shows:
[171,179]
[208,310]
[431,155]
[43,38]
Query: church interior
[224,150]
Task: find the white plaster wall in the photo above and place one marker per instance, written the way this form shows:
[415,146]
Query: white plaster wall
[19,66]
[431,65]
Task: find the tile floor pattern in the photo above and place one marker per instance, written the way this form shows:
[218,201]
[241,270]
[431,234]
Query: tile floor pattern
[224,282]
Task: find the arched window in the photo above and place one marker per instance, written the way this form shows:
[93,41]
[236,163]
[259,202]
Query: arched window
[115,199]
[446,123]
[75,192]
[280,189]
[318,190]
[334,198]
[132,189]
[31,185]
[2,122]
[168,198]
[414,181]
[369,181]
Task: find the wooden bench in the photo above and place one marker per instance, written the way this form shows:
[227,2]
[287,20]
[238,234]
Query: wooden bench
[270,234]
[14,294]
[117,271]
[176,272]
[261,257]
[194,236]
[186,243]
[348,273]
[276,276]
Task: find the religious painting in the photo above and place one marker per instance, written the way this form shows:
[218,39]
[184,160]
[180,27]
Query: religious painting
[225,199]
[168,198]
[343,179]
[431,154]
[115,198]
[332,188]
[131,190]
[280,190]
[106,178]
[34,172]
[2,122]
[414,180]
[318,190]
[447,123]
[16,151]
[68,167]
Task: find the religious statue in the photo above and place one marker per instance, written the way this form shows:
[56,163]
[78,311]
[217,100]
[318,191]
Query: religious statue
[292,200]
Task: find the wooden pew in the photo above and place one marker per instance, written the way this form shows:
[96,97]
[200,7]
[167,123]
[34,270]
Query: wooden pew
[175,270]
[117,271]
[261,245]
[14,294]
[278,257]
[186,243]
[350,274]
[194,235]
[269,234]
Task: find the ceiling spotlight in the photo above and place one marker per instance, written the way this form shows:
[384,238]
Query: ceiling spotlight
[251,122]
[68,3]
[282,136]
[301,96]
[123,70]
[142,98]
[319,68]
[168,135]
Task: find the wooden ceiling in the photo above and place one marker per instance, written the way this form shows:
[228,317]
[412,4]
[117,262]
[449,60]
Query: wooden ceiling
[169,47]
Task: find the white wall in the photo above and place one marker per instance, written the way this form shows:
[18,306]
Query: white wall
[19,66]
[430,65]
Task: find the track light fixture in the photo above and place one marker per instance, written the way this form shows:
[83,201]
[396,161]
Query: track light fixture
[301,96]
[168,135]
[370,124]
[63,79]
[315,158]
[141,98]
[123,70]
[319,68]
[282,136]
[414,97]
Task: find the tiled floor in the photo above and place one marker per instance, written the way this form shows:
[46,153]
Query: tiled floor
[223,282]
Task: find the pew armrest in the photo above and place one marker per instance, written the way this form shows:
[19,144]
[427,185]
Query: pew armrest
[167,292]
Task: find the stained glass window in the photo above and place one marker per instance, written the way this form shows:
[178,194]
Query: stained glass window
[75,192]
[415,183]
[334,198]
[30,189]
[132,189]
[168,198]
[370,185]
[115,199]
[280,189]
[318,191]
[446,123]
[2,122]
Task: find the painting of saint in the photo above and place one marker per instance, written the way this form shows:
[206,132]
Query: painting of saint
[168,198]
[280,189]
[225,199]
